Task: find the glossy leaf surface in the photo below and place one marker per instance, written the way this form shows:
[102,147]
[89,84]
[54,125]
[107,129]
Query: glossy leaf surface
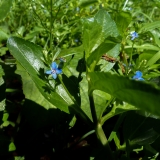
[139,94]
[29,56]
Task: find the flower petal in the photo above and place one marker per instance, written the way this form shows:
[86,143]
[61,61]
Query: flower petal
[48,72]
[141,79]
[54,75]
[138,74]
[134,35]
[58,71]
[54,65]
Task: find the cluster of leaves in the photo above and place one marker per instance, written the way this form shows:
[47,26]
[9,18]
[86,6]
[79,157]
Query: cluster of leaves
[97,108]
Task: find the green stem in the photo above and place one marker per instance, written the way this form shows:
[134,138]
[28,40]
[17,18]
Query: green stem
[108,115]
[51,25]
[108,103]
[123,53]
[107,154]
[130,61]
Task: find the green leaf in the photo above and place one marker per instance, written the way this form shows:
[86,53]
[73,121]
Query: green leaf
[139,94]
[156,35]
[150,26]
[96,55]
[148,137]
[29,56]
[3,35]
[123,19]
[5,7]
[18,158]
[2,89]
[30,90]
[109,27]
[100,99]
[85,104]
[92,36]
[104,27]
[84,3]
[118,109]
[105,65]
[12,147]
[154,59]
[71,51]
[144,47]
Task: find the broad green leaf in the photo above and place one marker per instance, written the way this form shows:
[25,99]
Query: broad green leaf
[29,56]
[85,104]
[156,35]
[5,7]
[96,55]
[92,36]
[18,158]
[139,94]
[104,27]
[145,47]
[100,99]
[150,26]
[105,65]
[30,90]
[3,35]
[3,51]
[71,51]
[123,19]
[140,130]
[12,147]
[154,59]
[109,27]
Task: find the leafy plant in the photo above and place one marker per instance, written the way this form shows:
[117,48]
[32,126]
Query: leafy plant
[88,81]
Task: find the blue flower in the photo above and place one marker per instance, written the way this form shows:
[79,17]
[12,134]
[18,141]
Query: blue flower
[138,76]
[76,40]
[134,35]
[54,70]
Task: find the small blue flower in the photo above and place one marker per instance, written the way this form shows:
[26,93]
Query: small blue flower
[138,76]
[76,40]
[54,70]
[77,9]
[134,35]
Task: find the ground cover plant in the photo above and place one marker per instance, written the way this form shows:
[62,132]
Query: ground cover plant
[79,79]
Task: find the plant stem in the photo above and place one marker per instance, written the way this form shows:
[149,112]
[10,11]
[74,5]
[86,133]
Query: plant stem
[131,54]
[51,25]
[104,142]
[98,128]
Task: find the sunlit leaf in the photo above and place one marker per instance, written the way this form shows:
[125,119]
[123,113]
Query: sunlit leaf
[123,19]
[5,7]
[131,91]
[29,56]
[30,90]
[150,26]
[104,27]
